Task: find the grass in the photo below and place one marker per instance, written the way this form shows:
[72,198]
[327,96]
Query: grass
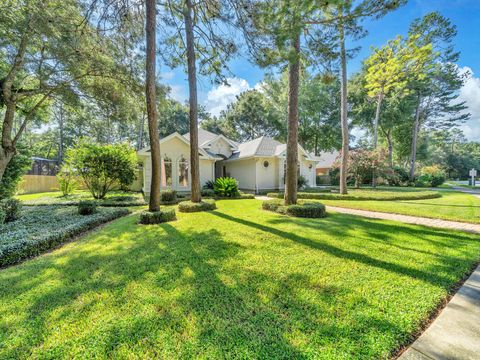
[114,198]
[455,206]
[237,282]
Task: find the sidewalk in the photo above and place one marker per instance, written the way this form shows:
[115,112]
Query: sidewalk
[455,333]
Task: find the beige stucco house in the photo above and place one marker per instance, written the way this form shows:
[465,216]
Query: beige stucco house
[258,165]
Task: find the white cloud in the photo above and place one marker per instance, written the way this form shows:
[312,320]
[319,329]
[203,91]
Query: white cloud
[167,75]
[470,93]
[219,97]
[178,92]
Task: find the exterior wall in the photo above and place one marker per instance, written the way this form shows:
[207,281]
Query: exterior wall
[175,149]
[309,174]
[221,147]
[267,177]
[243,171]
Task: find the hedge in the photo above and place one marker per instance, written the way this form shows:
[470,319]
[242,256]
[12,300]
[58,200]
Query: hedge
[379,196]
[302,209]
[204,205]
[42,228]
[157,217]
[87,207]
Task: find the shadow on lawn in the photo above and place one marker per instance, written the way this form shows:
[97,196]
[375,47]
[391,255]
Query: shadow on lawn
[162,292]
[216,313]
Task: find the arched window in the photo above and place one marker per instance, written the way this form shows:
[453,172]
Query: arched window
[183,172]
[166,171]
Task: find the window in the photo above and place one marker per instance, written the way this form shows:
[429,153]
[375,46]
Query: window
[166,172]
[183,172]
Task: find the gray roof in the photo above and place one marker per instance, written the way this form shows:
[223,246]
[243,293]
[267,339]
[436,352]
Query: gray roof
[203,136]
[262,146]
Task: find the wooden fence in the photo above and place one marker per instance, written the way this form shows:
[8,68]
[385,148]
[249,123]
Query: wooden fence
[31,184]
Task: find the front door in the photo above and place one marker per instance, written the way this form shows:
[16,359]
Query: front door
[218,169]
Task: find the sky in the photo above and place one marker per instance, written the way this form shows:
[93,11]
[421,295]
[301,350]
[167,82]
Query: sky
[465,14]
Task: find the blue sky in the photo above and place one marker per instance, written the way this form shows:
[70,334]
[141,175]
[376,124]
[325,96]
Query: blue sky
[465,14]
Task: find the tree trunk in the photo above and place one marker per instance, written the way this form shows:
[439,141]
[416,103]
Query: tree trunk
[375,133]
[150,91]
[390,149]
[413,154]
[292,136]
[192,85]
[343,113]
[140,132]
[61,135]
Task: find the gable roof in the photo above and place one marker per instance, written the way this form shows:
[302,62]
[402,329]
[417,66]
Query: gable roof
[262,146]
[203,136]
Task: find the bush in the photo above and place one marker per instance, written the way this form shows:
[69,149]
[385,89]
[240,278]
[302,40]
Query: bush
[16,168]
[302,182]
[67,180]
[12,209]
[432,175]
[42,228]
[205,205]
[209,184]
[364,195]
[157,217]
[302,209]
[208,193]
[103,167]
[226,187]
[3,215]
[87,207]
[168,197]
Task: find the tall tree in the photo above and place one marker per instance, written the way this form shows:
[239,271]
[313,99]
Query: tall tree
[436,93]
[197,33]
[150,92]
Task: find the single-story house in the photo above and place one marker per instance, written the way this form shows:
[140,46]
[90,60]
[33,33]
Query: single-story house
[326,161]
[258,165]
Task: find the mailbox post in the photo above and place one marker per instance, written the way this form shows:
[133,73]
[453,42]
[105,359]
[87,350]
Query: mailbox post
[473,174]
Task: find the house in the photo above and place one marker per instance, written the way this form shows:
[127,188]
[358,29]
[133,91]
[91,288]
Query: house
[326,161]
[258,165]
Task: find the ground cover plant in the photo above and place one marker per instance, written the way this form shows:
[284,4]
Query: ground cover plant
[364,194]
[114,198]
[455,206]
[44,227]
[301,209]
[336,288]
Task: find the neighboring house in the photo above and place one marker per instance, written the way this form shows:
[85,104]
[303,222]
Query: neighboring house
[258,165]
[326,161]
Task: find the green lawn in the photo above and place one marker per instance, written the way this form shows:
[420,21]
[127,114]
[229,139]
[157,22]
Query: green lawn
[238,282]
[452,205]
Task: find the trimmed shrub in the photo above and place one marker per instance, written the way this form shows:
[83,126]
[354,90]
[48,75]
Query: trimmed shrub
[307,210]
[208,193]
[204,205]
[12,209]
[371,195]
[168,197]
[226,187]
[87,207]
[302,209]
[157,217]
[42,228]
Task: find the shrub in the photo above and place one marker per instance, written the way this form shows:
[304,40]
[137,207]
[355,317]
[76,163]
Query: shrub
[434,175]
[302,182]
[12,209]
[226,187]
[157,217]
[364,195]
[16,168]
[103,167]
[209,184]
[87,207]
[302,209]
[208,192]
[3,215]
[205,205]
[168,197]
[307,210]
[41,228]
[67,180]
